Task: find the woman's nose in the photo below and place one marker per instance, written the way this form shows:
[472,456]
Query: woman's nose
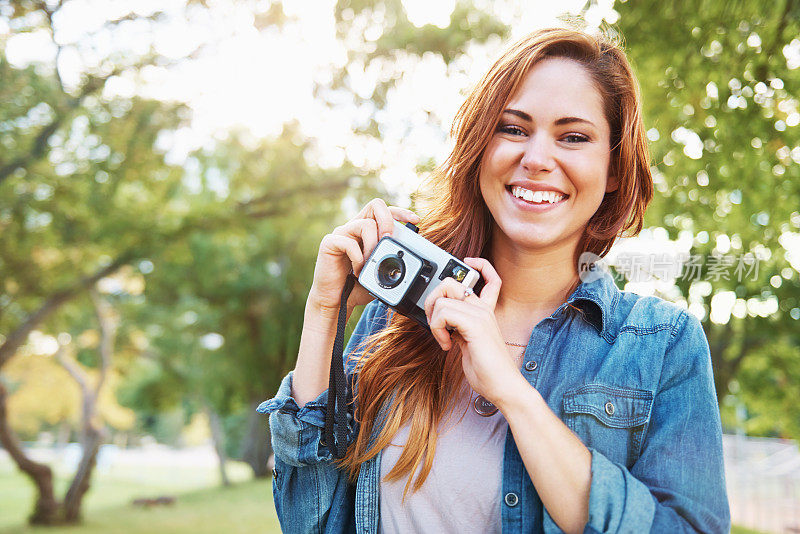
[537,156]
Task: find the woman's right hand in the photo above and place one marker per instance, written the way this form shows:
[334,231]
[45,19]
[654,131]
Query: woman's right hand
[349,246]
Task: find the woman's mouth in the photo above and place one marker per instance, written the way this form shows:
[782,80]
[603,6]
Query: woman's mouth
[535,200]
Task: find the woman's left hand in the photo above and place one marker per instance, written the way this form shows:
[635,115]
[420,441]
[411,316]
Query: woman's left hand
[488,366]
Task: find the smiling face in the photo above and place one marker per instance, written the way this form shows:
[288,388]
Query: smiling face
[552,135]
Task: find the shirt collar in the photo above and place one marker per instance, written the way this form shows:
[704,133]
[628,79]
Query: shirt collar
[597,299]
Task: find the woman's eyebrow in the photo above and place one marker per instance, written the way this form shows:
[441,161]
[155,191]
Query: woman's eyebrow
[521,114]
[558,122]
[570,120]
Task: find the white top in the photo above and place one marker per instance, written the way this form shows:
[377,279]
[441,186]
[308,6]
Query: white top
[462,492]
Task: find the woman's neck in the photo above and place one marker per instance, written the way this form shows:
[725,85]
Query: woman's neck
[535,282]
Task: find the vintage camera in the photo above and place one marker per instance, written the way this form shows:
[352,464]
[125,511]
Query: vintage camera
[405,267]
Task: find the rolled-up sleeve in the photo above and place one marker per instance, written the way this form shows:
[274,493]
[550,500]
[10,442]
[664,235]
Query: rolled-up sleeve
[678,482]
[296,432]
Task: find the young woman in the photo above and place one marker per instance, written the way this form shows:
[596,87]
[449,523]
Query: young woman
[556,404]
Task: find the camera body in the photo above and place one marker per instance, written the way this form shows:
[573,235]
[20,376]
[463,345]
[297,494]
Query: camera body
[405,267]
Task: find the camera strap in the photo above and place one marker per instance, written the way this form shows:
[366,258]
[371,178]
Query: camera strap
[336,409]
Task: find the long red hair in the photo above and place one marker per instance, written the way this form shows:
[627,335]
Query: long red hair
[404,359]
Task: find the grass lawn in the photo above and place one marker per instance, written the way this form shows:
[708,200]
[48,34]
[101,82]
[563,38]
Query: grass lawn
[742,530]
[202,506]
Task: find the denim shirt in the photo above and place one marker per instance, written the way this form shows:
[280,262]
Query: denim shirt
[629,375]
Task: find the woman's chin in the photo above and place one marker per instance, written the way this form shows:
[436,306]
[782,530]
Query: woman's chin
[533,244]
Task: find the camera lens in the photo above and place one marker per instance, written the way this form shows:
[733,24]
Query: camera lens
[391,270]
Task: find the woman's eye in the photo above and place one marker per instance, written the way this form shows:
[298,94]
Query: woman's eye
[575,138]
[511,129]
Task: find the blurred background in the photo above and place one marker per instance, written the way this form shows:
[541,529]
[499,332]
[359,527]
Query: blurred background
[168,168]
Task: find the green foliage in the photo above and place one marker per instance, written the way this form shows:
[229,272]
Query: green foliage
[88,201]
[147,390]
[718,71]
[245,282]
[379,34]
[767,388]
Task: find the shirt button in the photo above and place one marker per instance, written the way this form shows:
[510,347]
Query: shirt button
[609,408]
[511,499]
[531,365]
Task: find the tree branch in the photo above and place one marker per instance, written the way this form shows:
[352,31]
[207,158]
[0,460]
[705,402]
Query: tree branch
[108,330]
[49,14]
[72,367]
[277,201]
[92,85]
[16,338]
[274,197]
[133,16]
[36,152]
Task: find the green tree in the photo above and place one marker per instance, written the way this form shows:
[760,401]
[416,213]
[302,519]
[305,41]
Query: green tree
[720,81]
[83,193]
[243,284]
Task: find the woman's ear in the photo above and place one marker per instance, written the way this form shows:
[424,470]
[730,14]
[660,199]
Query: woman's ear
[612,184]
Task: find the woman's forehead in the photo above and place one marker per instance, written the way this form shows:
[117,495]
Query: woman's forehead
[558,87]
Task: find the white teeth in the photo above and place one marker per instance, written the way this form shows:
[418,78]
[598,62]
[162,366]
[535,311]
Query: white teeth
[536,196]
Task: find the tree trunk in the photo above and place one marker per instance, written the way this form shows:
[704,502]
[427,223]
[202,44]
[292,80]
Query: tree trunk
[218,437]
[722,378]
[719,338]
[256,445]
[62,435]
[82,480]
[92,432]
[45,510]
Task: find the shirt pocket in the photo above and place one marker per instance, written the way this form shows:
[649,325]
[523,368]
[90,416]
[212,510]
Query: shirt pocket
[610,419]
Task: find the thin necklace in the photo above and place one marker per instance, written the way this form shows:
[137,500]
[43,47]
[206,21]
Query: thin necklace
[482,406]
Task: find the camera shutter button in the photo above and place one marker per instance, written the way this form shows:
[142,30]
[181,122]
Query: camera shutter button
[412,227]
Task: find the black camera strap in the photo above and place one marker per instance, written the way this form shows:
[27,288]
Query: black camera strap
[336,409]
